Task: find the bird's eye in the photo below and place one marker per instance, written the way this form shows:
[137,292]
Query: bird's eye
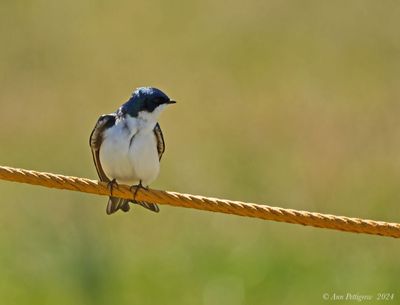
[160,101]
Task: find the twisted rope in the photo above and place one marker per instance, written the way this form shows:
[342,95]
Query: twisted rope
[341,223]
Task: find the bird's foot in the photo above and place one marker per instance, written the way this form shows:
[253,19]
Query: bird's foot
[110,185]
[135,188]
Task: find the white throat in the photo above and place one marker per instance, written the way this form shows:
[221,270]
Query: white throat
[146,121]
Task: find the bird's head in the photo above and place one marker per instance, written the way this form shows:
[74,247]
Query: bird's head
[147,102]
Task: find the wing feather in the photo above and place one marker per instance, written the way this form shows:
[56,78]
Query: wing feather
[96,139]
[160,140]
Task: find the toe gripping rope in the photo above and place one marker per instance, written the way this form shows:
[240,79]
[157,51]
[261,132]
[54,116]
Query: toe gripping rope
[342,223]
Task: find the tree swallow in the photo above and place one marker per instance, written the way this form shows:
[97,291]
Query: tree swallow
[127,145]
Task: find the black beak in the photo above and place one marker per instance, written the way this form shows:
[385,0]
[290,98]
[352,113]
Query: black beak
[171,102]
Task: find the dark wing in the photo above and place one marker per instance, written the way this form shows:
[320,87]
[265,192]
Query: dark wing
[160,140]
[96,138]
[95,141]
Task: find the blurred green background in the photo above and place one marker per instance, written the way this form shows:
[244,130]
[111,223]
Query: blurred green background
[287,103]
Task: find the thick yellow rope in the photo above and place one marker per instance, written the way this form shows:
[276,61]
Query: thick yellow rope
[205,203]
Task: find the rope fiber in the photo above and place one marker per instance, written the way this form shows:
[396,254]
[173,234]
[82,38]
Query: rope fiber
[342,223]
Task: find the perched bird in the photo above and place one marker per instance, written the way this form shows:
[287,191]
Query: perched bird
[127,145]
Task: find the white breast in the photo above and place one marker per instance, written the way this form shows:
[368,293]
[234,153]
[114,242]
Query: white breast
[129,152]
[144,156]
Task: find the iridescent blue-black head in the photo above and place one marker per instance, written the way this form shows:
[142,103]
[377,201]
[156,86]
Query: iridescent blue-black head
[145,99]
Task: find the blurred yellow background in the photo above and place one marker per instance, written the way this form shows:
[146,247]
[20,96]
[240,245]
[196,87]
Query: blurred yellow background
[287,103]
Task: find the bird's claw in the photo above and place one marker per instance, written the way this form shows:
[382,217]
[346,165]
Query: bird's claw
[110,185]
[135,188]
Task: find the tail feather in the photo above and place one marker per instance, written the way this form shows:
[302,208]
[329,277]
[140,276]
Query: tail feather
[114,204]
[150,206]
